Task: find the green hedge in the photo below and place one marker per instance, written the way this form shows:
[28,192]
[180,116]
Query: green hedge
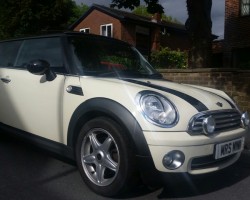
[167,58]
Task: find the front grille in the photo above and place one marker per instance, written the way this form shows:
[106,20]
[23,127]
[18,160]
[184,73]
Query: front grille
[224,120]
[209,162]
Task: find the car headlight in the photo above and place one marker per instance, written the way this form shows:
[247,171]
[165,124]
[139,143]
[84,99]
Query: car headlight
[157,109]
[208,125]
[245,120]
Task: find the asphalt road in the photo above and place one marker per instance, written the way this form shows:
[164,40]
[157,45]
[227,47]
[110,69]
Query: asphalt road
[28,173]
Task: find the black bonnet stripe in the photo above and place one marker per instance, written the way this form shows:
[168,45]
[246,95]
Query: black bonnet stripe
[229,102]
[194,102]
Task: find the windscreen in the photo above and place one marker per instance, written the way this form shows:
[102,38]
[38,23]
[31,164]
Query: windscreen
[107,57]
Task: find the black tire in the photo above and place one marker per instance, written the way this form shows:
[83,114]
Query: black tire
[105,157]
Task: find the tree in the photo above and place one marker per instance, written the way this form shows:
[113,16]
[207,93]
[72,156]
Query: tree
[26,17]
[198,25]
[142,11]
[78,11]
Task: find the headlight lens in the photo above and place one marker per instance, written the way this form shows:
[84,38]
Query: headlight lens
[157,109]
[208,125]
[245,121]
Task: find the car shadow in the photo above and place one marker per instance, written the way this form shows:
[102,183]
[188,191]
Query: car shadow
[191,186]
[184,186]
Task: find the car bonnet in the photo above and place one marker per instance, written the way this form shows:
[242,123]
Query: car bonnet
[202,99]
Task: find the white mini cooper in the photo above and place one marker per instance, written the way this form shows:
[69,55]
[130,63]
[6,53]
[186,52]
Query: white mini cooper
[98,101]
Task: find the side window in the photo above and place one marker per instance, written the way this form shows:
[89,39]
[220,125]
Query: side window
[48,49]
[8,53]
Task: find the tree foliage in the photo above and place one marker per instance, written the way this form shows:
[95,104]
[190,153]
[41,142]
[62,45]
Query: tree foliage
[152,6]
[26,17]
[142,11]
[78,11]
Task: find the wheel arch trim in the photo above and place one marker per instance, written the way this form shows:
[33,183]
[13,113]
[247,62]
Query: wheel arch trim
[106,107]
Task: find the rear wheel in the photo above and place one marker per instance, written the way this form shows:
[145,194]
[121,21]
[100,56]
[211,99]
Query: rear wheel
[105,157]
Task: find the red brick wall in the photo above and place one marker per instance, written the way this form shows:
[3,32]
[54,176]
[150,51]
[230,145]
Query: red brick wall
[237,30]
[234,82]
[95,19]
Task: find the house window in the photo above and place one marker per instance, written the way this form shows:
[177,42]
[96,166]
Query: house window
[106,30]
[245,7]
[85,30]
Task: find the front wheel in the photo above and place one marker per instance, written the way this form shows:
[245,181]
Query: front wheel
[105,157]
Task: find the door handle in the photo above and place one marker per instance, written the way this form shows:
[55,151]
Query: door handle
[5,80]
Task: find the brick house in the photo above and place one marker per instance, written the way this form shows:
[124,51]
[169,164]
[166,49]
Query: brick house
[147,34]
[237,34]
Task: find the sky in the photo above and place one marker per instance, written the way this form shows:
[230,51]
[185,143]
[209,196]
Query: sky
[177,9]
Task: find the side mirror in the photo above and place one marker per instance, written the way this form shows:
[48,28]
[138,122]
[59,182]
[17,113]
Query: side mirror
[41,67]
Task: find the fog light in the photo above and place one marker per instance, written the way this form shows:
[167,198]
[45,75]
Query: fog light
[208,125]
[245,120]
[173,160]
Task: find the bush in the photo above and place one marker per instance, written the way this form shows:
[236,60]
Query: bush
[167,58]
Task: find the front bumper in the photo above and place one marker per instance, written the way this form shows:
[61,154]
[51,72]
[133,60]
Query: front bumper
[198,150]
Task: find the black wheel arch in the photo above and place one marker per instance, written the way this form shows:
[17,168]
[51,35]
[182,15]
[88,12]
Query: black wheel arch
[97,107]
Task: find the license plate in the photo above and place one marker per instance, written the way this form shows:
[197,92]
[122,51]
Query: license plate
[228,148]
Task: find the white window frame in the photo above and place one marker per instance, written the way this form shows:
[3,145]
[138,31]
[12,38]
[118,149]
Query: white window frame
[245,7]
[106,32]
[84,30]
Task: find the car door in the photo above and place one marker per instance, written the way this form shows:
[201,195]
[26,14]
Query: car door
[8,53]
[28,102]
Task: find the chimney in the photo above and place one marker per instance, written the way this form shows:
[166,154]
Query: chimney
[156,18]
